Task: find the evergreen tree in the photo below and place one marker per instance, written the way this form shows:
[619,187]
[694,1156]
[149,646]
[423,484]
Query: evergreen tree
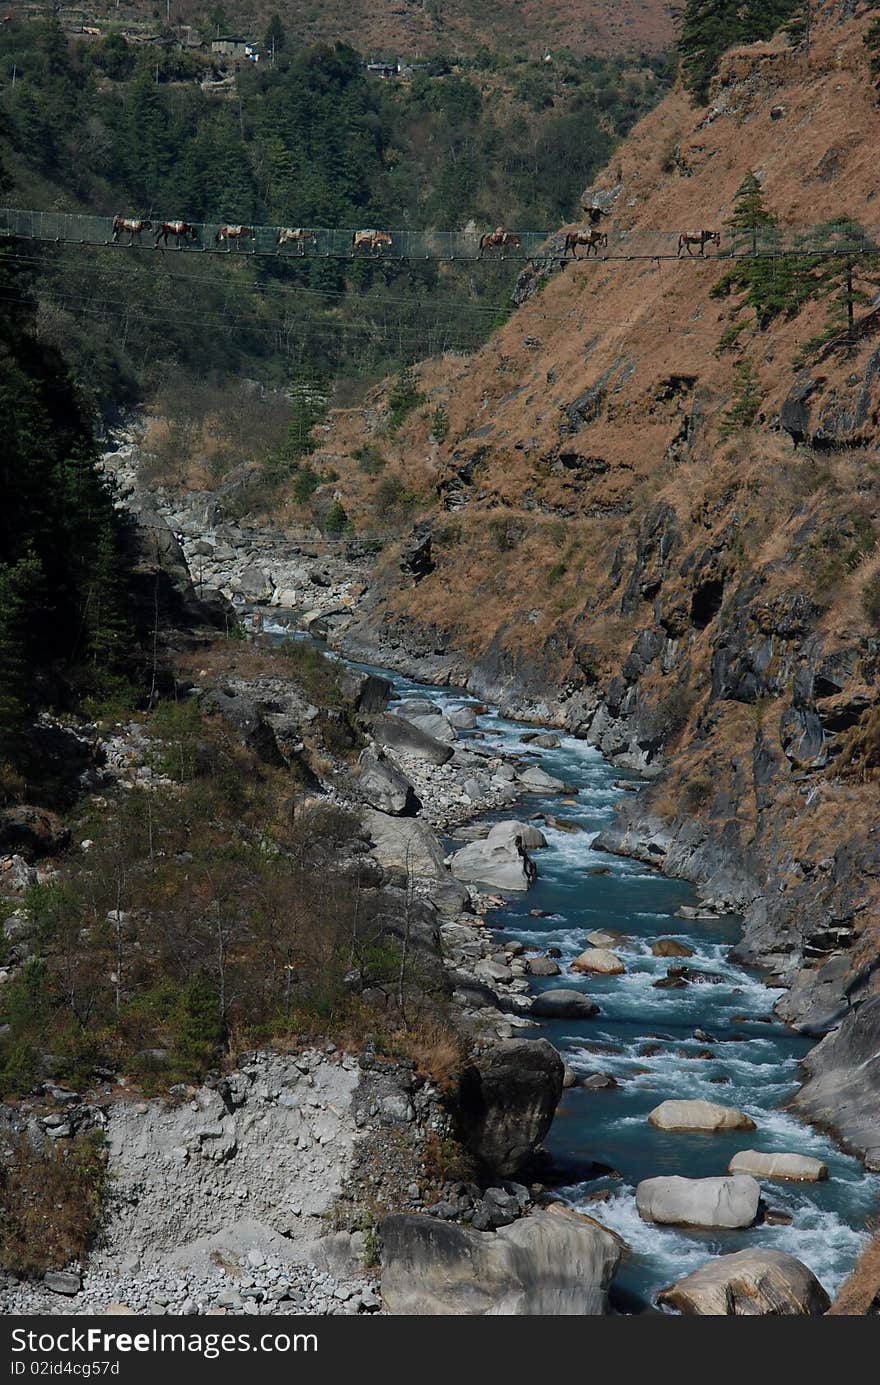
[276,37]
[710,27]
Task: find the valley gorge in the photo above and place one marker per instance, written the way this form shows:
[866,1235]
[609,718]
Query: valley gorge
[464,899]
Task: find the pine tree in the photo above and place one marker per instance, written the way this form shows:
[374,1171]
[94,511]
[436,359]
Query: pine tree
[710,27]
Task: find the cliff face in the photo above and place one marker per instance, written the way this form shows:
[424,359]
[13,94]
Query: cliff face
[668,544]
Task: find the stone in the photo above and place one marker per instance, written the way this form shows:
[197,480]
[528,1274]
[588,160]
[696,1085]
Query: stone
[396,733]
[502,863]
[757,1282]
[563,1004]
[799,1168]
[528,836]
[405,843]
[427,717]
[507,1098]
[537,780]
[670,947]
[599,960]
[463,718]
[604,937]
[541,1265]
[384,786]
[842,1090]
[599,1082]
[699,1115]
[709,1202]
[62,1282]
[543,966]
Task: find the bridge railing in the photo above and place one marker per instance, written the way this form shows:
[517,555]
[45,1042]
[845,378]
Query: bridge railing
[71,228]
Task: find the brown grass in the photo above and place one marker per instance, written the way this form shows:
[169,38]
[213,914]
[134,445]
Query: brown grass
[50,1203]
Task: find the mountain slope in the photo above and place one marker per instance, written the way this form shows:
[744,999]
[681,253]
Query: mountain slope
[654,513]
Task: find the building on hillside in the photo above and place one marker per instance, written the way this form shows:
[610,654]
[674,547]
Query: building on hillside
[396,68]
[231,46]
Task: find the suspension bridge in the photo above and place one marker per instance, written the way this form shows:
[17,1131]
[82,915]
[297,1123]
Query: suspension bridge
[72,228]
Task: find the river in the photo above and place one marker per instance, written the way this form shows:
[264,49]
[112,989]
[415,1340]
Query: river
[601,1141]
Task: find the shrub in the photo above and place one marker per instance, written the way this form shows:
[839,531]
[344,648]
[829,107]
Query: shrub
[440,424]
[50,1202]
[871,599]
[403,397]
[697,792]
[369,459]
[337,520]
[506,533]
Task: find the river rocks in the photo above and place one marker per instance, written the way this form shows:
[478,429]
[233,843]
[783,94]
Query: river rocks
[542,1265]
[698,1115]
[757,1282]
[604,937]
[368,693]
[33,831]
[396,733]
[404,843]
[62,1282]
[462,718]
[670,947]
[599,960]
[842,1090]
[427,717]
[543,966]
[563,1004]
[500,862]
[529,836]
[383,786]
[599,1082]
[709,1202]
[537,780]
[507,1098]
[797,1167]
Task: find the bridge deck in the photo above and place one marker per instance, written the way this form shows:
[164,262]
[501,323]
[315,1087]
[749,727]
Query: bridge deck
[69,228]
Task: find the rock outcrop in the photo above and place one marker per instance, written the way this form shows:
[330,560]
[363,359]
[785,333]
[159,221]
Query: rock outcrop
[842,1090]
[542,1265]
[500,861]
[384,787]
[758,1282]
[506,1101]
[396,733]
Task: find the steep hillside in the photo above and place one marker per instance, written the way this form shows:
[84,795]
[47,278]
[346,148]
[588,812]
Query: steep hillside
[653,511]
[417,28]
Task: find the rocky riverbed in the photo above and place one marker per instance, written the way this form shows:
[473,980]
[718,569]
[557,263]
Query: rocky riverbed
[432,765]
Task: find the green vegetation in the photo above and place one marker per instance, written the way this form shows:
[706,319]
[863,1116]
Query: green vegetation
[774,284]
[745,402]
[50,1202]
[65,610]
[208,916]
[871,599]
[403,397]
[311,141]
[709,27]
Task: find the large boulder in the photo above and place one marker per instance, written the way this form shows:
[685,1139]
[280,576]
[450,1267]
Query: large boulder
[758,1282]
[529,836]
[368,693]
[396,733]
[384,786]
[404,844]
[799,1168]
[711,1202]
[563,1003]
[842,1090]
[507,1098]
[502,863]
[427,717]
[699,1115]
[671,947]
[544,1265]
[537,780]
[600,961]
[543,966]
